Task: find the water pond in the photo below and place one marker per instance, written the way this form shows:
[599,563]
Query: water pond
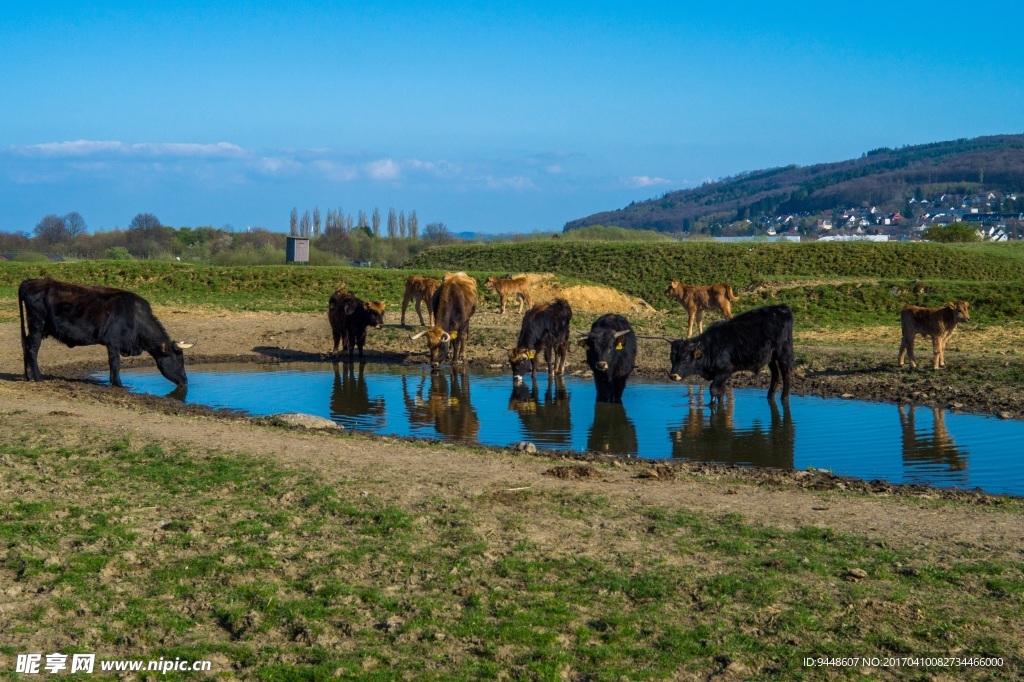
[656,420]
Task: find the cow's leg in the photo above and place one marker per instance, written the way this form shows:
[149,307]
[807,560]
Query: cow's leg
[786,370]
[700,321]
[718,387]
[30,351]
[337,339]
[361,339]
[908,349]
[936,351]
[502,298]
[420,314]
[689,327]
[773,366]
[114,356]
[547,359]
[405,304]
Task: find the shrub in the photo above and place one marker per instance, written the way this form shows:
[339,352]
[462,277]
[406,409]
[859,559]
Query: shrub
[118,253]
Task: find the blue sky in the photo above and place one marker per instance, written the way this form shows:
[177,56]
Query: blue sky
[489,117]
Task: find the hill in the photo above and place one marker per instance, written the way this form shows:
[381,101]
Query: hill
[883,177]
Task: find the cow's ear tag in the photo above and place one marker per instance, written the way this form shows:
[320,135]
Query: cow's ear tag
[698,353]
[618,346]
[532,354]
[454,335]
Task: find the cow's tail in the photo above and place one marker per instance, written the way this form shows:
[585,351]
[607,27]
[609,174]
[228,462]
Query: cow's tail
[730,295]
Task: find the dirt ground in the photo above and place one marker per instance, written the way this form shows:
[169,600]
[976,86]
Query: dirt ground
[411,470]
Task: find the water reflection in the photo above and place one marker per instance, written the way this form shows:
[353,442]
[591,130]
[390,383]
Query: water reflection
[350,398]
[547,422]
[716,438]
[612,431]
[445,407]
[925,449]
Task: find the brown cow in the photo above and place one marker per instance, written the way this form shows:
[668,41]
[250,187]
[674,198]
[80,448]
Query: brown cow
[938,323]
[453,305]
[696,300]
[421,290]
[511,286]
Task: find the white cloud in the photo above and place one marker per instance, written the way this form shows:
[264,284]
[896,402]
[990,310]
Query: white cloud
[518,183]
[646,181]
[384,169]
[79,148]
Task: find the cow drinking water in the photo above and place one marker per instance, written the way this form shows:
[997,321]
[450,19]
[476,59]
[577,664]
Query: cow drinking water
[545,329]
[453,305]
[80,315]
[747,342]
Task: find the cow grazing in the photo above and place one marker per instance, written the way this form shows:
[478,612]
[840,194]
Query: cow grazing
[80,315]
[938,323]
[453,304]
[350,317]
[697,299]
[545,328]
[747,342]
[420,290]
[611,355]
[511,286]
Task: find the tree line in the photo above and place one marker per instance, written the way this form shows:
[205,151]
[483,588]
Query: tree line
[339,241]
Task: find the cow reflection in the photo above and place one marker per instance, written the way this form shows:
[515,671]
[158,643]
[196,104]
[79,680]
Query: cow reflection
[612,432]
[930,447]
[715,438]
[547,422]
[350,398]
[445,407]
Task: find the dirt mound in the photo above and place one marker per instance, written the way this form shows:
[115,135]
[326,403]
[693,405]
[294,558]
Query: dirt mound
[586,298]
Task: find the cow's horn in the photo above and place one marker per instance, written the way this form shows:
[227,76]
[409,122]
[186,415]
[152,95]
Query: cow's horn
[583,335]
[445,337]
[183,345]
[623,333]
[416,336]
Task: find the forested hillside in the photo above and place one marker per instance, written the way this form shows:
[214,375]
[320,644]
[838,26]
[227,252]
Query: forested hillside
[882,177]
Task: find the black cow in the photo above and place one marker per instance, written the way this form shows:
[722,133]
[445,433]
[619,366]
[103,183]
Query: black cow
[612,432]
[747,342]
[545,328]
[80,315]
[611,355]
[350,317]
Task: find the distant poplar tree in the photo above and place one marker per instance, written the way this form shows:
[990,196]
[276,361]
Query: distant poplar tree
[348,223]
[304,224]
[316,221]
[293,223]
[376,222]
[362,221]
[401,224]
[392,223]
[414,226]
[329,222]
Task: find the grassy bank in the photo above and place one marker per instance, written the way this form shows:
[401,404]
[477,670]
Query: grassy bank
[140,548]
[645,269]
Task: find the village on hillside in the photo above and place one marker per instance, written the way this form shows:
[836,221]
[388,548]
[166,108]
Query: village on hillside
[987,212]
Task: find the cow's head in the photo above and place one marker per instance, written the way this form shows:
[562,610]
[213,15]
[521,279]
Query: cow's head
[170,360]
[959,309]
[686,358]
[438,343]
[674,288]
[521,361]
[343,302]
[375,313]
[602,346]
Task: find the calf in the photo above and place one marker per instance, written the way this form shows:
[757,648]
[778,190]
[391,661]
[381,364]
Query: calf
[747,342]
[350,317]
[511,286]
[545,328]
[80,315]
[420,290]
[938,323]
[611,355]
[697,299]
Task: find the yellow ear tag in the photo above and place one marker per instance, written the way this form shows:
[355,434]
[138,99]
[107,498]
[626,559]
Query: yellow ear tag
[618,346]
[698,354]
[532,354]
[454,335]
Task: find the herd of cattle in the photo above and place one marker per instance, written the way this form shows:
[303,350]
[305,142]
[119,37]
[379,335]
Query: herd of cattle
[80,315]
